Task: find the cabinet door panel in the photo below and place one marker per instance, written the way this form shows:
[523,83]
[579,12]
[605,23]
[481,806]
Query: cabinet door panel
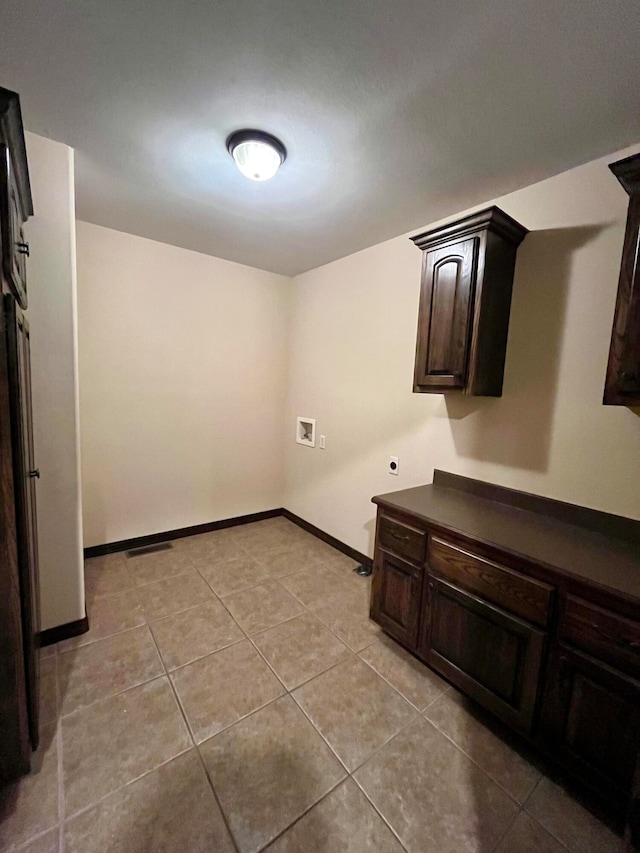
[15,248]
[395,597]
[18,348]
[446,314]
[591,716]
[494,656]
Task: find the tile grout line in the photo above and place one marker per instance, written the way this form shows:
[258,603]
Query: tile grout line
[101,639]
[379,813]
[506,831]
[301,816]
[397,689]
[166,675]
[145,680]
[83,708]
[104,797]
[473,761]
[549,831]
[60,768]
[288,692]
[65,818]
[195,745]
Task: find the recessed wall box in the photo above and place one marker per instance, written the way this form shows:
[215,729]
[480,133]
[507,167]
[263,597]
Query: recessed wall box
[306,431]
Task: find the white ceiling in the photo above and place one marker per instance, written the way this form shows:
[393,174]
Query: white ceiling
[394,112]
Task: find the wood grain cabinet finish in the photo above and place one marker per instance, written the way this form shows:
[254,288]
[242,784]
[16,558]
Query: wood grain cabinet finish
[521,595]
[24,469]
[622,385]
[553,655]
[465,300]
[396,597]
[15,197]
[491,654]
[402,539]
[591,720]
[19,629]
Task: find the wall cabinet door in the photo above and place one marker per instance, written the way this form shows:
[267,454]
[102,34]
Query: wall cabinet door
[591,719]
[493,656]
[395,597]
[446,314]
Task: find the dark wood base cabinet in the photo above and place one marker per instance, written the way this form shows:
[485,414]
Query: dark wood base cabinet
[536,618]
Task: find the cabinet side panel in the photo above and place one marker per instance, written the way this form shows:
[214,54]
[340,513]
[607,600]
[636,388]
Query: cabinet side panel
[622,385]
[491,325]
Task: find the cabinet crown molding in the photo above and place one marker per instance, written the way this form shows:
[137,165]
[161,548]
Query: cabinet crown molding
[492,219]
[627,171]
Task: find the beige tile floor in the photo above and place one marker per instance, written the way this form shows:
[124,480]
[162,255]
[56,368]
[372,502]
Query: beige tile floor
[232,695]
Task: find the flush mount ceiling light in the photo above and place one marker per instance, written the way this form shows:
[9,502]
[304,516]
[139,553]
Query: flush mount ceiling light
[257,154]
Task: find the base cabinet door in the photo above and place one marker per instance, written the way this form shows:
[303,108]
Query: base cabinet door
[395,597]
[591,719]
[493,656]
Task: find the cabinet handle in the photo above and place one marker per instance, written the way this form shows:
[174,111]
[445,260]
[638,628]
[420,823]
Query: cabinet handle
[23,248]
[402,537]
[35,473]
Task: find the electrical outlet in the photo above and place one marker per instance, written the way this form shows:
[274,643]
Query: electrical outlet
[322,443]
[393,465]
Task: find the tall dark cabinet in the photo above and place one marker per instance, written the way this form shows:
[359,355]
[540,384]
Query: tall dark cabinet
[622,385]
[19,605]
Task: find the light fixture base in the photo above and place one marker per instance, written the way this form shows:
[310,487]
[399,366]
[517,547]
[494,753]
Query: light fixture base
[240,136]
[258,155]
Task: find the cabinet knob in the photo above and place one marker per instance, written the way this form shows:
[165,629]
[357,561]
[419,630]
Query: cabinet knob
[23,248]
[35,473]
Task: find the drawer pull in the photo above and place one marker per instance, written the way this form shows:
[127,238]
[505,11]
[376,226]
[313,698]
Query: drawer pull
[401,537]
[23,248]
[619,641]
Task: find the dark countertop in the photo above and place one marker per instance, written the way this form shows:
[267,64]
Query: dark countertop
[610,562]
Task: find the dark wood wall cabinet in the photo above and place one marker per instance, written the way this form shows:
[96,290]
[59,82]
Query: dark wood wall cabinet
[19,611]
[465,300]
[528,605]
[622,385]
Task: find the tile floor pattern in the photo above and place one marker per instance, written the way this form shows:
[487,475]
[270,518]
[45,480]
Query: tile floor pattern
[232,695]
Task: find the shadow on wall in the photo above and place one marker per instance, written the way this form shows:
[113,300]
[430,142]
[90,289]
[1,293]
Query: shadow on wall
[93,507]
[516,429]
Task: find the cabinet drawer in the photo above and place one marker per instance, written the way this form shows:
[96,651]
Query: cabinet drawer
[523,596]
[402,540]
[606,635]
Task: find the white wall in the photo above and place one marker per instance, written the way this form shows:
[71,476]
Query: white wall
[182,386]
[353,342]
[52,318]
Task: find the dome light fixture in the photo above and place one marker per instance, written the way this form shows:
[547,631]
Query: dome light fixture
[257,154]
